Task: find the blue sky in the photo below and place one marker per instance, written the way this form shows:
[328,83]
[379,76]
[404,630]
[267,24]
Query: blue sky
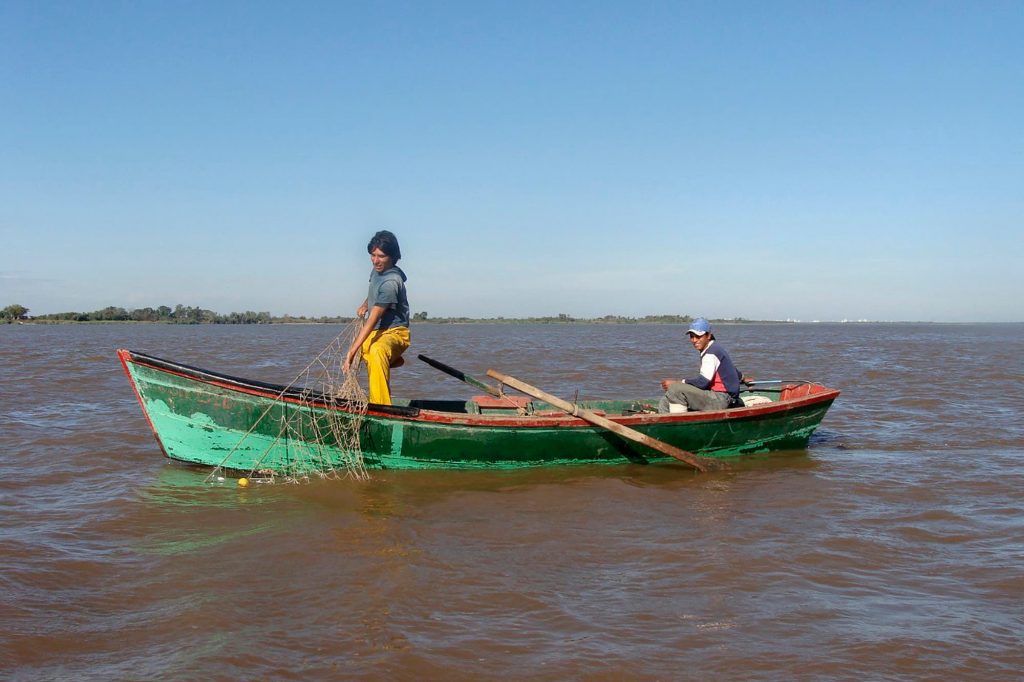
[801,160]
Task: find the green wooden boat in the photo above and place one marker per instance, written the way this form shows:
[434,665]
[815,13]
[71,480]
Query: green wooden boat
[212,419]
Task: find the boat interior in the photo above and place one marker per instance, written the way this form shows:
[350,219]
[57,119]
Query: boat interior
[766,392]
[523,405]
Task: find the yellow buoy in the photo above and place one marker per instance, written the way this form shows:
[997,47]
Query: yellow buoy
[243,482]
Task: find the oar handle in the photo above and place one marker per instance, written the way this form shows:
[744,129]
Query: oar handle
[698,463]
[461,376]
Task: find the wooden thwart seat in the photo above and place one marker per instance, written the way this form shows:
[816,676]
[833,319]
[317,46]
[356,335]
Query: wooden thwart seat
[508,402]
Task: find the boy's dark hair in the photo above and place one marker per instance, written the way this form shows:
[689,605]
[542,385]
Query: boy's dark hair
[386,242]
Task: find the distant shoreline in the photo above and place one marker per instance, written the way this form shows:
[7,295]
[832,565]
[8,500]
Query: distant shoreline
[181,314]
[18,314]
[438,321]
[482,321]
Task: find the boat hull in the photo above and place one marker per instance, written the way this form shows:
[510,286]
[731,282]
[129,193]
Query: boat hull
[211,419]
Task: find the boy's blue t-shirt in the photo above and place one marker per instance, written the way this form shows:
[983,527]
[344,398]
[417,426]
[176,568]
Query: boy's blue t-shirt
[387,289]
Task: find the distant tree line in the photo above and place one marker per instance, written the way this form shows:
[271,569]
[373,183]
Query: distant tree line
[182,314]
[179,314]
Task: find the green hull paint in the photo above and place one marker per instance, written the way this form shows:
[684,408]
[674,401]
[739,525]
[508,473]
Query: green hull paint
[211,419]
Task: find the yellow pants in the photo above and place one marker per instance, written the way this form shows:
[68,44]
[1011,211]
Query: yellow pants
[383,350]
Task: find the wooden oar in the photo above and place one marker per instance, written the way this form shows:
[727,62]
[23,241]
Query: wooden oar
[698,463]
[461,376]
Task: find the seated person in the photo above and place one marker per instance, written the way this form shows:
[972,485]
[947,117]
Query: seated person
[715,388]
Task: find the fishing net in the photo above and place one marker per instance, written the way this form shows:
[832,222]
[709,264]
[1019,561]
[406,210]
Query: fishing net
[318,418]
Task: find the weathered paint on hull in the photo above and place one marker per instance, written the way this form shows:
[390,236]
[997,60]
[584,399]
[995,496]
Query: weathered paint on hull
[209,419]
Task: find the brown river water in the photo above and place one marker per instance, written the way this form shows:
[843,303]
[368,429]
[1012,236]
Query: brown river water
[892,548]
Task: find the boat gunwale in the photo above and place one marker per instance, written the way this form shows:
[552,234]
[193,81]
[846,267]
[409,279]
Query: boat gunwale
[309,397]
